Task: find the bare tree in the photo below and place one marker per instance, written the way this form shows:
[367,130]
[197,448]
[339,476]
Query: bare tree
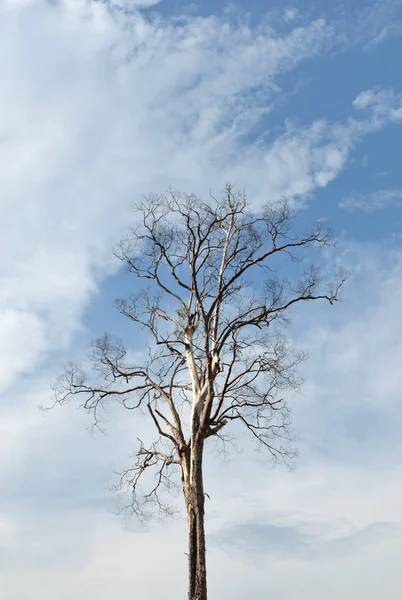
[213,307]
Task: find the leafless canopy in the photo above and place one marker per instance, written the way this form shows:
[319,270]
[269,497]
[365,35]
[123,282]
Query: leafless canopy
[212,304]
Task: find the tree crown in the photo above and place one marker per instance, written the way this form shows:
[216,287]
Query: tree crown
[213,303]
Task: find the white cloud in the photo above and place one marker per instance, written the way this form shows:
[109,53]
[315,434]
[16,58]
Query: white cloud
[129,5]
[350,411]
[384,104]
[22,340]
[303,160]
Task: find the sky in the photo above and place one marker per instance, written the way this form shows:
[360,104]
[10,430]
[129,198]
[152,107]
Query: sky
[103,102]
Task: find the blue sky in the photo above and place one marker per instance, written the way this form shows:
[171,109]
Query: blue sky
[102,103]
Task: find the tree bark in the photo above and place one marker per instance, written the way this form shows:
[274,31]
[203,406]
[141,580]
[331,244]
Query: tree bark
[194,494]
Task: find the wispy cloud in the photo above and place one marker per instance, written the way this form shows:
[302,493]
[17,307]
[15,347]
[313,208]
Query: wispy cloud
[374,201]
[379,21]
[383,104]
[257,541]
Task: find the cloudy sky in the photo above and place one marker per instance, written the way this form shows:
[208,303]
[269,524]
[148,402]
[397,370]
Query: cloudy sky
[102,102]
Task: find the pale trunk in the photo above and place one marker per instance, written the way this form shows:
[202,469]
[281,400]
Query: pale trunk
[194,494]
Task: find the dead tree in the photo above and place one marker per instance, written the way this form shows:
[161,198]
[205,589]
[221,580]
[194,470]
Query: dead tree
[216,296]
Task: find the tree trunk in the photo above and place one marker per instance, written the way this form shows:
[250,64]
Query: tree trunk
[194,495]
